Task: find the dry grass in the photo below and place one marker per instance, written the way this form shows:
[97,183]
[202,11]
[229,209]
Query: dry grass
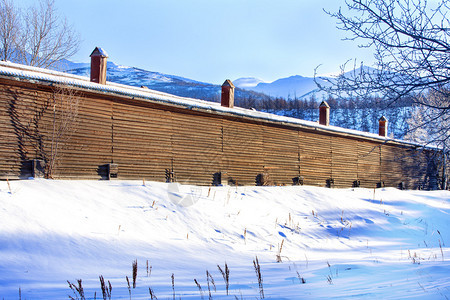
[226,276]
[442,253]
[9,186]
[77,290]
[149,269]
[152,294]
[279,260]
[129,287]
[135,267]
[173,285]
[199,288]
[106,289]
[259,276]
[300,278]
[210,279]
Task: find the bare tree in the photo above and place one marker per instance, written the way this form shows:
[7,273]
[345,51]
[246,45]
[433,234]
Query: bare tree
[9,30]
[430,123]
[411,44]
[36,36]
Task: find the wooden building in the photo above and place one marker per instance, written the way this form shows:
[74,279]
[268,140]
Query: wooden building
[68,126]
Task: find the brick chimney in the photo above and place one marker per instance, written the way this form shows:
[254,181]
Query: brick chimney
[98,65]
[324,113]
[227,99]
[383,126]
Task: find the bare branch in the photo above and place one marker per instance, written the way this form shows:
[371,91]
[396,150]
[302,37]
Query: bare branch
[411,44]
[9,30]
[37,36]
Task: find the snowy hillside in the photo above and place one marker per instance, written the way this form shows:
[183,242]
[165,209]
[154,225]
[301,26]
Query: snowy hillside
[329,243]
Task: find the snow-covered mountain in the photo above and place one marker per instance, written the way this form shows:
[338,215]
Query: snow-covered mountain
[296,86]
[292,87]
[289,88]
[172,84]
[247,87]
[247,82]
[66,65]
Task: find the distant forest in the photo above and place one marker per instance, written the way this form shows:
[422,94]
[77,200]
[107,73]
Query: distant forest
[358,114]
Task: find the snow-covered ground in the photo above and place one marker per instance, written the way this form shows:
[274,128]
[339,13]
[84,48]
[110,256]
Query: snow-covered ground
[342,243]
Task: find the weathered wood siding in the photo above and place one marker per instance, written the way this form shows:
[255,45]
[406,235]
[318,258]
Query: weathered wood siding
[281,154]
[17,107]
[243,151]
[89,147]
[196,147]
[315,157]
[146,138]
[391,164]
[141,140]
[369,163]
[344,161]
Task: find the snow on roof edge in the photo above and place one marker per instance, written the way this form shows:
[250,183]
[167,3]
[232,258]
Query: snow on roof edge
[39,74]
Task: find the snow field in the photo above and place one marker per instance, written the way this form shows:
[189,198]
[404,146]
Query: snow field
[363,243]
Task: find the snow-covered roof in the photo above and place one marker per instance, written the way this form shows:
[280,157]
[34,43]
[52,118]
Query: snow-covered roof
[99,52]
[39,75]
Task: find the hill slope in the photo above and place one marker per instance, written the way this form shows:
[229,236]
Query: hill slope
[362,243]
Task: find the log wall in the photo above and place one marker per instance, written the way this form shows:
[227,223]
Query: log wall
[146,138]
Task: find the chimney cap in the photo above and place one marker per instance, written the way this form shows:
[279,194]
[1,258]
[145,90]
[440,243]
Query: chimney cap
[99,52]
[228,83]
[383,119]
[324,104]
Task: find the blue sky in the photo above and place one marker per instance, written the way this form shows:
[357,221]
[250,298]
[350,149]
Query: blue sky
[212,40]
